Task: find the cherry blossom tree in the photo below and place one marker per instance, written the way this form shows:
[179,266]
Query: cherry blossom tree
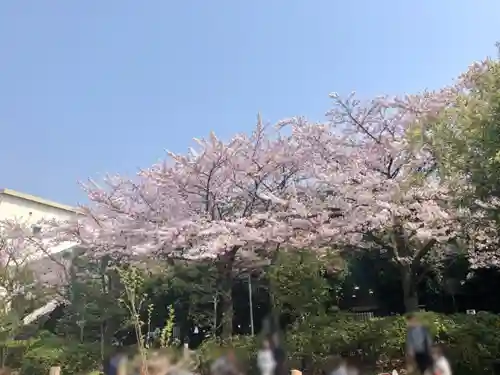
[353,180]
[15,278]
[20,288]
[414,157]
[367,178]
[227,201]
[383,185]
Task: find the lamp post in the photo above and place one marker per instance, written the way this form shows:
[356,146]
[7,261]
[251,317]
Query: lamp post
[215,301]
[250,303]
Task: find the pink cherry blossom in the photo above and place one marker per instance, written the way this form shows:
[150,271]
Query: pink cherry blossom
[321,183]
[365,177]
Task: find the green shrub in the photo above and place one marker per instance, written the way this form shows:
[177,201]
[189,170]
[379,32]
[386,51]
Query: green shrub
[49,350]
[245,349]
[14,352]
[471,342]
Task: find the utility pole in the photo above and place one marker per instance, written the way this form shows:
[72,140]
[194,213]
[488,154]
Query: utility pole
[215,300]
[250,303]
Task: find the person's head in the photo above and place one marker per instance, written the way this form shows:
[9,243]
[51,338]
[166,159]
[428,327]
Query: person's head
[437,351]
[276,338]
[230,354]
[343,359]
[266,344]
[411,319]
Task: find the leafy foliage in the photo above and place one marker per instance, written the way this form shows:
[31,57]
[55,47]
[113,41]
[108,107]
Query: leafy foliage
[464,140]
[190,287]
[472,342]
[298,284]
[48,350]
[92,313]
[245,349]
[20,291]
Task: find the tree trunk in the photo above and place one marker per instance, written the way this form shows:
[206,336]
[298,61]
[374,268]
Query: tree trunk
[227,309]
[410,292]
[225,268]
[111,288]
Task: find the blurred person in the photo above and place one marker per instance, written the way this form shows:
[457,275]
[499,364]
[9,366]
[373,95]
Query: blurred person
[441,364]
[342,367]
[418,345]
[352,369]
[114,363]
[306,364]
[271,330]
[265,359]
[279,354]
[225,365]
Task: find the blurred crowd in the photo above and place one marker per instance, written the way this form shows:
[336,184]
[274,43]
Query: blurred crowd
[423,357]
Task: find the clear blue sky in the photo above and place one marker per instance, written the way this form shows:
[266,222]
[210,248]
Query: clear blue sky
[96,86]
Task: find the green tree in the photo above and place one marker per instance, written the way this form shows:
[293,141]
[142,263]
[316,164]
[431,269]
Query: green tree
[298,283]
[465,138]
[191,287]
[93,313]
[20,294]
[465,142]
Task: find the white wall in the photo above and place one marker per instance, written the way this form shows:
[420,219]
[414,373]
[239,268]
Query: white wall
[44,268]
[22,209]
[31,212]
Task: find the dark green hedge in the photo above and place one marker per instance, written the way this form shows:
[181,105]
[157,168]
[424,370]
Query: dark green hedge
[48,350]
[472,342]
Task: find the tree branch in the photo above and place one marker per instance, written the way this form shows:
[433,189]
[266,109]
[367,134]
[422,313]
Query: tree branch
[423,252]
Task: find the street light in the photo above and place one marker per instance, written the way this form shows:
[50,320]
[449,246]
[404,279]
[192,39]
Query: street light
[250,303]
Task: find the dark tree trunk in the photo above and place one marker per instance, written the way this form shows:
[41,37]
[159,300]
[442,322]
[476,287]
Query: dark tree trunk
[225,268]
[226,304]
[410,290]
[110,287]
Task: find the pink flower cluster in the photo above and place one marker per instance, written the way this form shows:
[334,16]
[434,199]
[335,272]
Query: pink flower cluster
[363,178]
